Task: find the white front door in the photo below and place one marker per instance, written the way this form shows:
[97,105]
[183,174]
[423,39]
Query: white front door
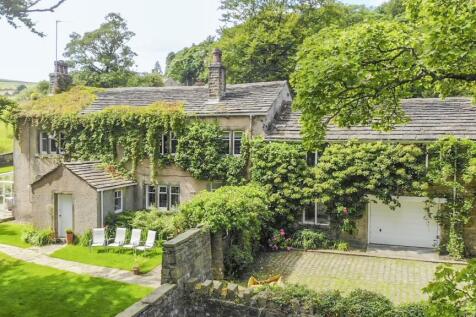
[65,214]
[407,225]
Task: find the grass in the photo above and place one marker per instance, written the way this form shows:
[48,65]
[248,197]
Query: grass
[6,169]
[10,233]
[6,138]
[29,290]
[119,259]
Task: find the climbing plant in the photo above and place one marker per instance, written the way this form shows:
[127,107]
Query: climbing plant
[348,173]
[452,175]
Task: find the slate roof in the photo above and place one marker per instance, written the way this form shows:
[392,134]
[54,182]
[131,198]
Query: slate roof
[95,176]
[430,119]
[240,99]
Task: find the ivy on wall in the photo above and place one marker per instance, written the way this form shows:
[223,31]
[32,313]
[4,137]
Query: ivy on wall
[452,175]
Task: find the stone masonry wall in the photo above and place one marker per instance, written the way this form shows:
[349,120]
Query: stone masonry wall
[6,159]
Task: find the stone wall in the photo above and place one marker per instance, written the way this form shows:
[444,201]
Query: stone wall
[187,256]
[6,159]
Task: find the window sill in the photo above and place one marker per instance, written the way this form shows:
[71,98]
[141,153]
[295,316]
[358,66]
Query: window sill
[46,155]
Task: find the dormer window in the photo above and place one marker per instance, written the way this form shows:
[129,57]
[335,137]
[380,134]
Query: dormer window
[51,143]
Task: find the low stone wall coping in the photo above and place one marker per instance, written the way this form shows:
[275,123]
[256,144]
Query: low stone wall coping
[143,304]
[181,238]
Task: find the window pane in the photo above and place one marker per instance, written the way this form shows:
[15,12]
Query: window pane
[226,142]
[311,159]
[53,145]
[151,196]
[237,142]
[118,200]
[173,143]
[174,197]
[310,214]
[163,201]
[322,215]
[165,143]
[44,142]
[61,143]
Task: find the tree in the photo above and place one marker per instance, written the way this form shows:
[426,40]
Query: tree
[264,47]
[7,106]
[18,12]
[190,64]
[359,74]
[157,68]
[102,58]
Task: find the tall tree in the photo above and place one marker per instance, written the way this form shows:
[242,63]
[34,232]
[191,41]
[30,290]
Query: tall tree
[18,12]
[359,74]
[190,64]
[102,57]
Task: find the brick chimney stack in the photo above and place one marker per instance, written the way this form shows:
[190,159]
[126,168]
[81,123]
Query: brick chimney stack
[216,78]
[60,80]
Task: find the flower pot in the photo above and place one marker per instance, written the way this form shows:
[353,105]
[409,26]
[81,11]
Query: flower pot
[70,238]
[136,270]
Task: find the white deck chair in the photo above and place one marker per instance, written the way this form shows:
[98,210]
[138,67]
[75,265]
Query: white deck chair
[149,243]
[135,239]
[99,238]
[120,238]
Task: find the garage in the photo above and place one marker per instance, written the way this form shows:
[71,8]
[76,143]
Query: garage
[407,225]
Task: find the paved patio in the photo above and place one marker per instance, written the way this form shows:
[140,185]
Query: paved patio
[39,255]
[399,280]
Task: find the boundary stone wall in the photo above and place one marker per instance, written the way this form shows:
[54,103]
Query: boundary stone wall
[6,159]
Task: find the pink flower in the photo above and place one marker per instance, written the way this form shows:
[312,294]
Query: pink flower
[282,232]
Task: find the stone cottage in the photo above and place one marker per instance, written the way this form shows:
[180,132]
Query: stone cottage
[79,195]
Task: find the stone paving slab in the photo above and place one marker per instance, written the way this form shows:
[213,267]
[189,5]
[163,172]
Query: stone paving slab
[399,280]
[39,256]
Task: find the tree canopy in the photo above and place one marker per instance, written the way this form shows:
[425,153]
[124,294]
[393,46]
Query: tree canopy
[102,57]
[17,12]
[359,74]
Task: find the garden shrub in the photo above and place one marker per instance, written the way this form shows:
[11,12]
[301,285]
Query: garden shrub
[85,238]
[365,303]
[310,239]
[453,292]
[38,237]
[237,212]
[341,246]
[410,310]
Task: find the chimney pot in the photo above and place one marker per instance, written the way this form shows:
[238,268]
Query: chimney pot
[217,56]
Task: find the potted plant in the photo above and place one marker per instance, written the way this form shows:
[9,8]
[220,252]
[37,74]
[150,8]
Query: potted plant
[69,236]
[137,266]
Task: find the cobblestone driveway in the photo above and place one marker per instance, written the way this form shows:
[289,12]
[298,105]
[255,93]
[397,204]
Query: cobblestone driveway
[399,280]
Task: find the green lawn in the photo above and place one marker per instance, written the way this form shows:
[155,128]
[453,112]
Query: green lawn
[31,290]
[6,169]
[119,259]
[6,138]
[10,233]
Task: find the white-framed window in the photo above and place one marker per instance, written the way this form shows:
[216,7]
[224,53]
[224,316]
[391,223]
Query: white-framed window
[150,196]
[212,186]
[231,141]
[237,136]
[315,214]
[118,200]
[51,143]
[168,197]
[169,143]
[312,158]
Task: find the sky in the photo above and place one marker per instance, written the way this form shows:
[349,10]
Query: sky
[161,26]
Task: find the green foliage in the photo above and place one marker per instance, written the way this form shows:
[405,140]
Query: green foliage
[167,225]
[453,292]
[452,175]
[347,173]
[38,237]
[411,310]
[237,212]
[85,239]
[102,58]
[310,239]
[281,169]
[365,303]
[17,12]
[7,106]
[190,64]
[201,152]
[341,246]
[358,75]
[145,80]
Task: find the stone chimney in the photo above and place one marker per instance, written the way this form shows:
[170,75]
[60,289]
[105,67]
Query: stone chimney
[216,78]
[60,80]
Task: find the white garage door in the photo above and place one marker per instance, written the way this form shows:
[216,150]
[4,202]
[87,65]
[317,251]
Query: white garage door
[407,225]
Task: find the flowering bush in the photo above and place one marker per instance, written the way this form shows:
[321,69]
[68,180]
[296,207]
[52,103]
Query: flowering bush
[278,241]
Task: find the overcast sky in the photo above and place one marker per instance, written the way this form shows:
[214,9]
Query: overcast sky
[161,26]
